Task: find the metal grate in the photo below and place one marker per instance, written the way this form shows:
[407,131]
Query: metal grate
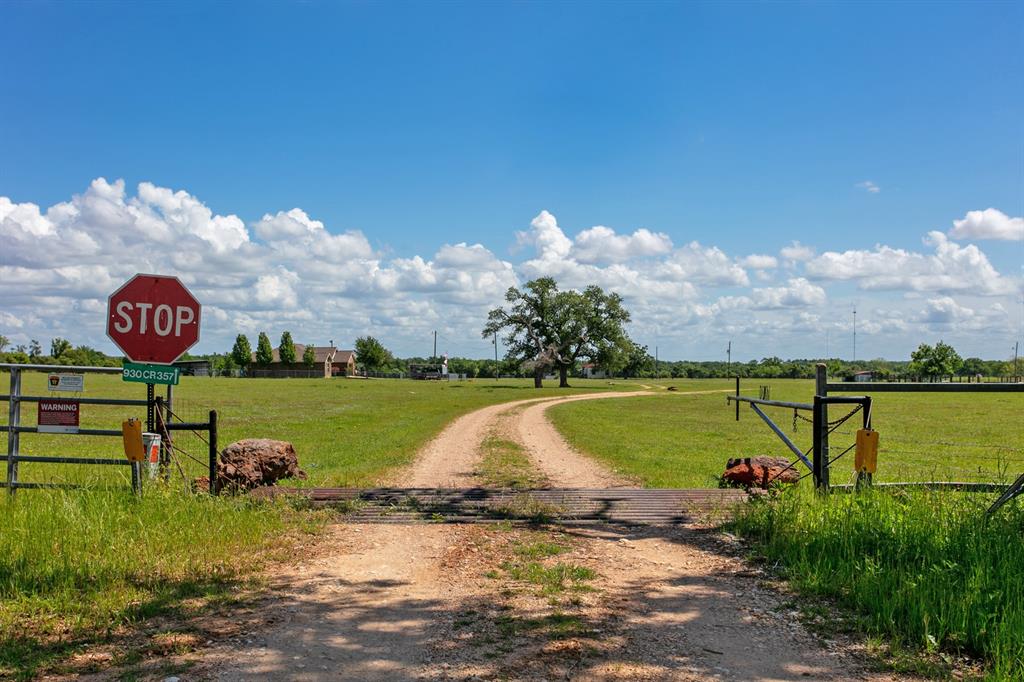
[632,506]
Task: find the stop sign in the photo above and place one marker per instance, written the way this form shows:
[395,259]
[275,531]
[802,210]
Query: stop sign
[153,319]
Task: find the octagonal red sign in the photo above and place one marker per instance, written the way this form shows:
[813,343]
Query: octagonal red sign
[153,319]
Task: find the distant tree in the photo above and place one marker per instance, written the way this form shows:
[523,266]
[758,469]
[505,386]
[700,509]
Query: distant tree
[59,347]
[638,361]
[89,357]
[935,362]
[21,348]
[34,349]
[4,342]
[287,349]
[241,352]
[224,364]
[17,357]
[309,357]
[547,328]
[372,354]
[471,368]
[973,366]
[264,352]
[613,357]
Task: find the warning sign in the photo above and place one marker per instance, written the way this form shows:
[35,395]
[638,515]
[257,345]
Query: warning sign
[58,416]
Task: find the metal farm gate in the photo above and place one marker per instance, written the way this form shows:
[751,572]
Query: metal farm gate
[159,419]
[818,457]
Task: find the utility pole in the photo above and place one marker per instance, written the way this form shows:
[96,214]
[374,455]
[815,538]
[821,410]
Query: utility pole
[656,362]
[855,333]
[495,356]
[1016,372]
[827,353]
[435,346]
[728,358]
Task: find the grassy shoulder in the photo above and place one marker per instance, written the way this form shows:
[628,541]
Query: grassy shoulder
[87,567]
[924,571]
[79,568]
[680,440]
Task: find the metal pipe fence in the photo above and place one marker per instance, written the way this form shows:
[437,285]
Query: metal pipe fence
[14,428]
[822,428]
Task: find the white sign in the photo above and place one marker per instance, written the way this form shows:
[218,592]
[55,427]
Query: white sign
[67,382]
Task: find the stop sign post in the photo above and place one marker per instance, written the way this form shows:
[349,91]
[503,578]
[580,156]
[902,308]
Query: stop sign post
[153,319]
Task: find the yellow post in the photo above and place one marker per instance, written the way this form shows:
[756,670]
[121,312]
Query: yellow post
[131,430]
[866,457]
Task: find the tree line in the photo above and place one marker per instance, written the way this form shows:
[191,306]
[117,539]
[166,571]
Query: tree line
[547,332]
[61,353]
[241,357]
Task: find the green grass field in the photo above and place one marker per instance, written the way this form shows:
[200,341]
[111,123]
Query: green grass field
[78,567]
[678,440]
[346,432]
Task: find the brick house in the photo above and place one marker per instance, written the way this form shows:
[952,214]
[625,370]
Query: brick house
[344,363]
[322,366]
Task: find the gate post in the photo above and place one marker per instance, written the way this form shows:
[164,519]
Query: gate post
[737,395]
[13,421]
[820,430]
[165,447]
[214,483]
[136,468]
[150,408]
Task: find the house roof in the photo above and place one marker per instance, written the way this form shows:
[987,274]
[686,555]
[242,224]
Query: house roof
[342,356]
[320,353]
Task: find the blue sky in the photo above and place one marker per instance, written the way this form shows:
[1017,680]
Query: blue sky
[744,127]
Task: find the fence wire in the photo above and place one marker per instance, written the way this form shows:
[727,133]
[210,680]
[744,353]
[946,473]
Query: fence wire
[188,449]
[1009,455]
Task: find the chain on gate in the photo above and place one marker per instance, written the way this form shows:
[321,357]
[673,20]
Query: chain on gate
[165,434]
[831,426]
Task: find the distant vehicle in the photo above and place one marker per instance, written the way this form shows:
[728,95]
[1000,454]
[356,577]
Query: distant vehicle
[432,372]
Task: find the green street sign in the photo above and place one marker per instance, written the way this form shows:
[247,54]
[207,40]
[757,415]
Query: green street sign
[150,374]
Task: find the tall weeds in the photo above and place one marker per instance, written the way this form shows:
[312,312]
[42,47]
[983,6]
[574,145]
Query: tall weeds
[79,564]
[923,569]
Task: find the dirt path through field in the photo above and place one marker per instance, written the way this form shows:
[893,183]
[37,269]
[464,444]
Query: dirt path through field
[450,460]
[482,602]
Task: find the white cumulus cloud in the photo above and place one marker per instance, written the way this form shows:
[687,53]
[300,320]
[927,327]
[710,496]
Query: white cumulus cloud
[951,267]
[759,262]
[797,252]
[602,245]
[290,270]
[797,293]
[988,224]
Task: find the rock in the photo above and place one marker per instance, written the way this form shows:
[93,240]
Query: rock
[257,462]
[760,471]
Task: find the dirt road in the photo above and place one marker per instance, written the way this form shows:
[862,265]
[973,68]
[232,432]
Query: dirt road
[451,459]
[450,602]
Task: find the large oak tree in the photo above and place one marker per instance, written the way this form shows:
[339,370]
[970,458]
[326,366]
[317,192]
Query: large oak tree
[546,328]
